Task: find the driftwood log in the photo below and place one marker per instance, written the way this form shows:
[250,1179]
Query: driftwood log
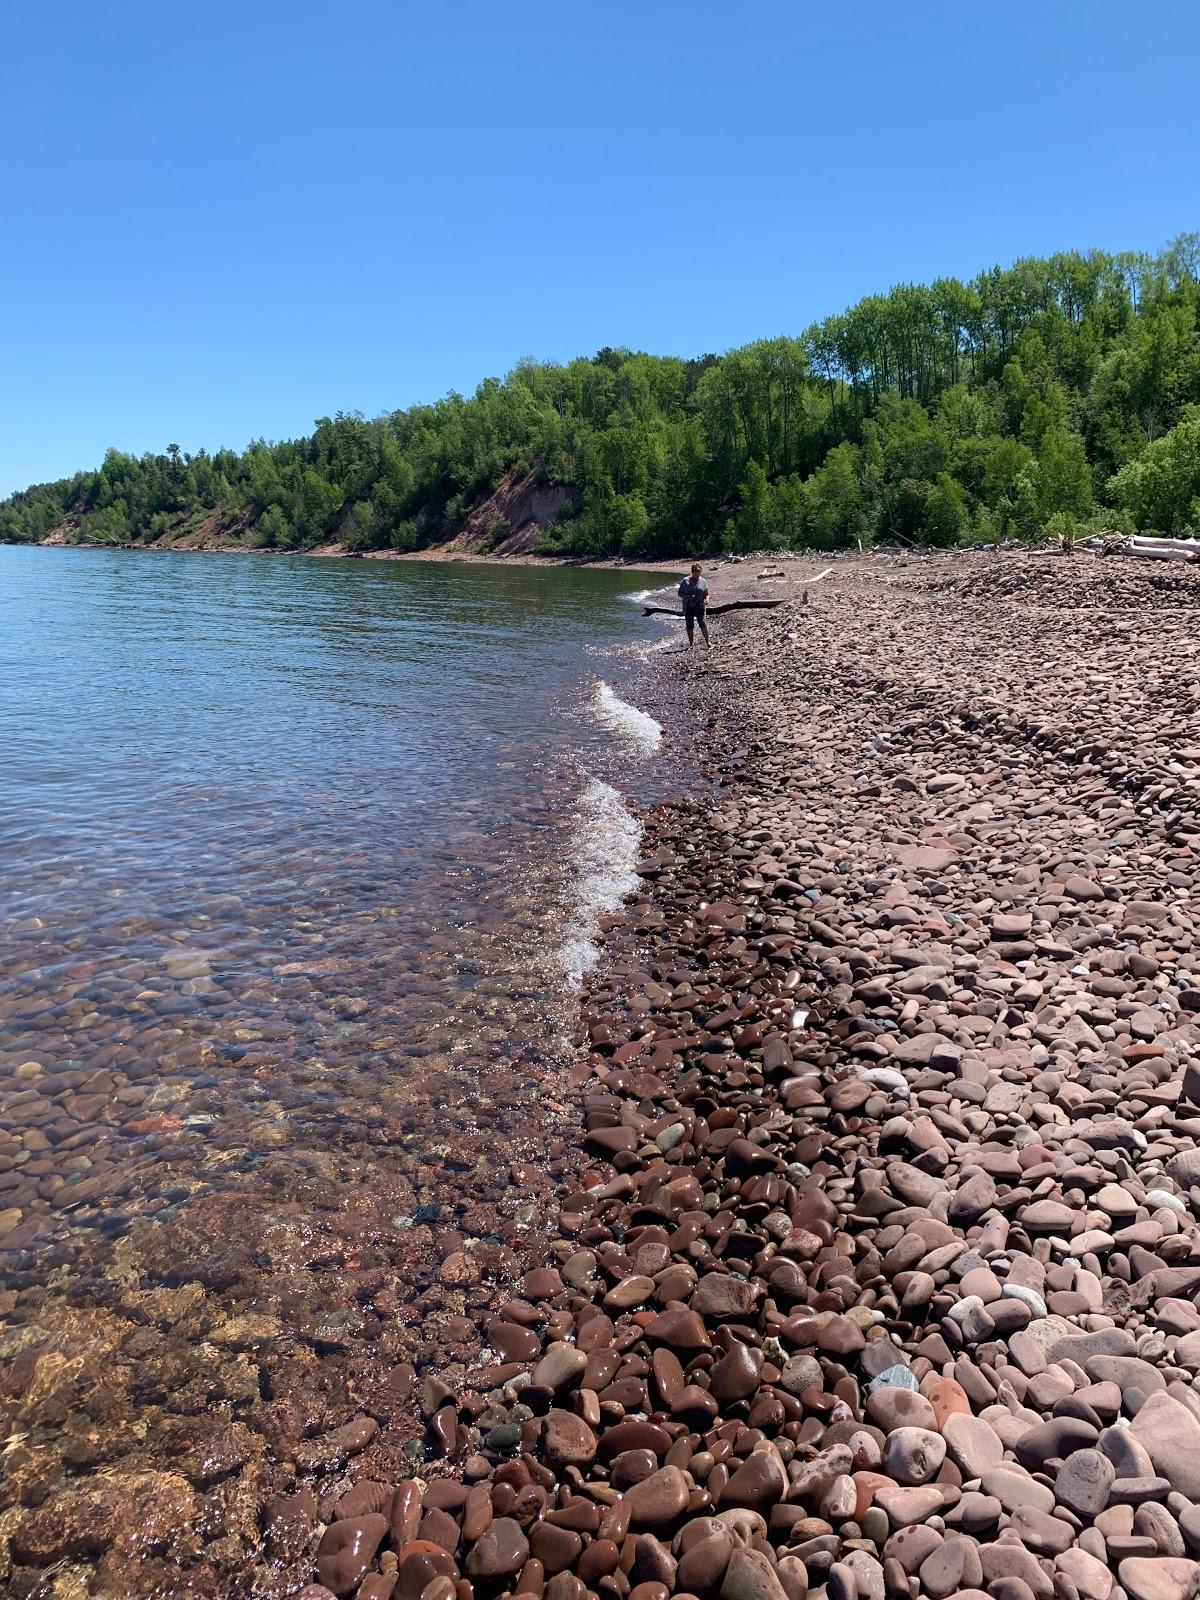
[1162,549]
[714,611]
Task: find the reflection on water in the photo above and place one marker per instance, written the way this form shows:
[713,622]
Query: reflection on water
[288,856]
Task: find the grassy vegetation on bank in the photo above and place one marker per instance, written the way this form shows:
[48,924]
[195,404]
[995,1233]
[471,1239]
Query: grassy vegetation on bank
[1056,394]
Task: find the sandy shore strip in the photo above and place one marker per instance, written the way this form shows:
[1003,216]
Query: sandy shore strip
[881,1280]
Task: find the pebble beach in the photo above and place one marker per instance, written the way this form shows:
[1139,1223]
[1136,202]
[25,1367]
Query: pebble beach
[878,1274]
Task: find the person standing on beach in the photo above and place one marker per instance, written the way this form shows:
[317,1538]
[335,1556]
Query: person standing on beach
[693,591]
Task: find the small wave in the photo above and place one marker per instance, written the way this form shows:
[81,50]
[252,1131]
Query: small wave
[608,839]
[640,597]
[635,649]
[624,719]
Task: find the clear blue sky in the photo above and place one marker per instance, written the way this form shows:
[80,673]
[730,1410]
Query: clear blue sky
[221,220]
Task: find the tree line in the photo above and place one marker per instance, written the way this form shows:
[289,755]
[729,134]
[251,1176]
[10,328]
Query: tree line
[1055,395]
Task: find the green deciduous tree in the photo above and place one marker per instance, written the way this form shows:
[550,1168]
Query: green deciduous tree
[1162,488]
[945,512]
[929,413]
[835,510]
[1064,480]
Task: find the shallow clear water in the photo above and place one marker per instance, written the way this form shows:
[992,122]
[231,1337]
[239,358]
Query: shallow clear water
[298,859]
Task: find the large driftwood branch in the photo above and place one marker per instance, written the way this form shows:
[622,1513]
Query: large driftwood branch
[1162,549]
[714,611]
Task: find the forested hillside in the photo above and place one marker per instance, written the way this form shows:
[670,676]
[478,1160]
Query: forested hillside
[1058,393]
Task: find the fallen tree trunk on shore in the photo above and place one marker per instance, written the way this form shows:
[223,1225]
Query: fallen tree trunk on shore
[1162,549]
[714,611]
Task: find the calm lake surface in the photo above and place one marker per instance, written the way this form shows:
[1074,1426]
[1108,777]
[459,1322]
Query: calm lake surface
[299,859]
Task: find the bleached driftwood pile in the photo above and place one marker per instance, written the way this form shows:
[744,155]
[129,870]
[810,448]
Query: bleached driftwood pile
[1139,544]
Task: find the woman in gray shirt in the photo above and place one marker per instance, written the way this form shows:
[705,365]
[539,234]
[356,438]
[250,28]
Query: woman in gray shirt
[693,592]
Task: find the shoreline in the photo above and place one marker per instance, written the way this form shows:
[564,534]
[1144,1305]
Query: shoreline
[881,1275]
[446,555]
[877,1272]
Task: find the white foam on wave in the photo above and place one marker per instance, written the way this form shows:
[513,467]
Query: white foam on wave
[639,650]
[660,646]
[626,720]
[608,840]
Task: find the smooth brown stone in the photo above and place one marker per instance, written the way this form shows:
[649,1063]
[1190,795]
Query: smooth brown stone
[632,1466]
[736,1375]
[668,1376]
[556,1548]
[404,1516]
[366,1498]
[659,1501]
[419,1563]
[601,1557]
[633,1434]
[477,1513]
[757,1484]
[679,1329]
[720,1297]
[347,1549]
[512,1342]
[567,1440]
[500,1553]
[438,1527]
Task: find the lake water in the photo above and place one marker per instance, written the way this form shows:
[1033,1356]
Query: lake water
[300,860]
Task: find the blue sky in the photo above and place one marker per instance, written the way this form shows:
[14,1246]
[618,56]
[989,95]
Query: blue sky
[220,221]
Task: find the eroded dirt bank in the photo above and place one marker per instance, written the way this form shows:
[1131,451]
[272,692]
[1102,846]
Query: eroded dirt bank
[882,1280]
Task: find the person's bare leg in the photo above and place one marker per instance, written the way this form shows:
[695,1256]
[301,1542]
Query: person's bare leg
[690,634]
[704,631]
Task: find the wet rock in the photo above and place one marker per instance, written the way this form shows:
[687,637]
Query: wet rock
[702,1565]
[561,1367]
[719,1296]
[511,1342]
[567,1440]
[501,1552]
[736,1375]
[758,1483]
[420,1565]
[556,1548]
[658,1501]
[404,1514]
[347,1549]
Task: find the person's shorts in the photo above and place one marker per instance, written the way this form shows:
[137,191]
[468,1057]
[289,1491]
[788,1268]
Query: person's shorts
[693,613]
